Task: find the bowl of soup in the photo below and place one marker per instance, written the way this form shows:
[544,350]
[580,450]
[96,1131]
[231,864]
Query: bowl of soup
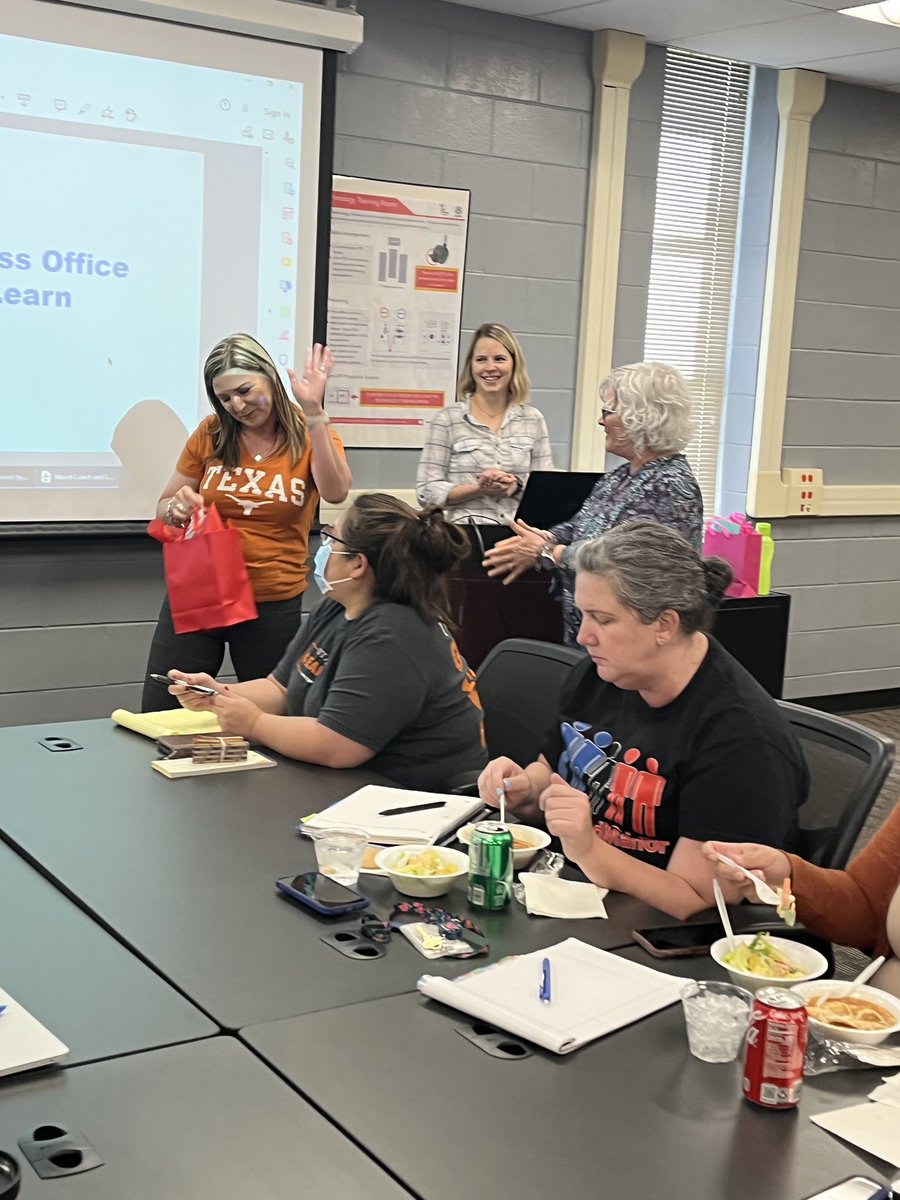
[422,870]
[526,842]
[867,1017]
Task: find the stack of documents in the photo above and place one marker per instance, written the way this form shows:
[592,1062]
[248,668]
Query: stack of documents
[592,993]
[395,816]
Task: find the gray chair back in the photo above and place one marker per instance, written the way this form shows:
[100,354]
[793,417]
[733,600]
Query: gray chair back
[519,684]
[848,765]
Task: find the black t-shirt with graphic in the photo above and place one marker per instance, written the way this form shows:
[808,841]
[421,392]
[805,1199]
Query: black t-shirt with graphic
[720,761]
[393,683]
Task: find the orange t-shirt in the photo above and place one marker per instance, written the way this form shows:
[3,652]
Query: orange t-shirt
[270,503]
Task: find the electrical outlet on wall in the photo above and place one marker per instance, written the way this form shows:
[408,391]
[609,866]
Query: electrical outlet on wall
[804,486]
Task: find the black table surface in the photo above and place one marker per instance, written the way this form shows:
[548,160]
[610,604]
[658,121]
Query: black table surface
[633,1114]
[76,979]
[202,1121]
[183,871]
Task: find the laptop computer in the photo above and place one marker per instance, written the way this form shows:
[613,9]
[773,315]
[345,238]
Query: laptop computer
[554,496]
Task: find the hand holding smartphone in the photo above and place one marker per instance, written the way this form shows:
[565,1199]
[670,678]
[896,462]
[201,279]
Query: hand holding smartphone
[200,688]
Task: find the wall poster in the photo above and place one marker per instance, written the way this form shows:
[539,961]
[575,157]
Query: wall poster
[395,295]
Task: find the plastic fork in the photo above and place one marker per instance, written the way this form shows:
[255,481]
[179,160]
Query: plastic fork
[766,894]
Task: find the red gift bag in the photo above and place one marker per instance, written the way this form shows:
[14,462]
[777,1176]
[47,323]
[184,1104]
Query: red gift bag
[735,540]
[206,575]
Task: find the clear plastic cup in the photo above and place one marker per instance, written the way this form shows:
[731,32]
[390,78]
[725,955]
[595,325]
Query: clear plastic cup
[339,852]
[716,1016]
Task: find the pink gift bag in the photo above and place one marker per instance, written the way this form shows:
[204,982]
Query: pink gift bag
[735,540]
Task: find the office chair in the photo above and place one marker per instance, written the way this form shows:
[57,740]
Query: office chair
[848,765]
[519,684]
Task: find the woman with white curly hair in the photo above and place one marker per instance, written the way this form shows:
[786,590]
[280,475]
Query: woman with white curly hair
[645,409]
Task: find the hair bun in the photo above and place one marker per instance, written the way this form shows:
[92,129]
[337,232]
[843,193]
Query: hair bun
[718,574]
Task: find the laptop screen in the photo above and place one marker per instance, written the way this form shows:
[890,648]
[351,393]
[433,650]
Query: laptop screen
[554,496]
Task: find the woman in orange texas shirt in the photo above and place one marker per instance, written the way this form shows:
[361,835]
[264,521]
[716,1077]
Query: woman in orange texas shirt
[264,462]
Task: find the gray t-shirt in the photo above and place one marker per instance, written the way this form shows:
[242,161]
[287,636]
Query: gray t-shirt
[393,683]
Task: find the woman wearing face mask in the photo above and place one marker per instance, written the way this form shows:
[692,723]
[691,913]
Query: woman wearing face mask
[374,675]
[645,410]
[264,462]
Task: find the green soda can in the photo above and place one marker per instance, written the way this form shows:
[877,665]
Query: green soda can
[490,865]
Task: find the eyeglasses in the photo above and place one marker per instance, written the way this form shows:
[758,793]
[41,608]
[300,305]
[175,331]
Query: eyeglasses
[609,400]
[327,536]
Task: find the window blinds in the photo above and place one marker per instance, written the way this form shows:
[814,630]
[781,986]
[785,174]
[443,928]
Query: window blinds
[694,235]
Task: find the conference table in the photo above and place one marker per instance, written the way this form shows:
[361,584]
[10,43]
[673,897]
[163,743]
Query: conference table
[201,1121]
[179,875]
[77,980]
[183,871]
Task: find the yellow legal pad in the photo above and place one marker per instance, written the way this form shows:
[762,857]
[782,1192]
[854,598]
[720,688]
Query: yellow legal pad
[168,723]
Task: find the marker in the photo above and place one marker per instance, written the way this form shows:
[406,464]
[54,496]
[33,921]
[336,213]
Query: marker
[544,993]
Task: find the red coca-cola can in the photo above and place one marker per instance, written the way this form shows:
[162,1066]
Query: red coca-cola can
[775,1049]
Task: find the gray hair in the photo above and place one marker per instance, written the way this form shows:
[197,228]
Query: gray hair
[652,569]
[654,404]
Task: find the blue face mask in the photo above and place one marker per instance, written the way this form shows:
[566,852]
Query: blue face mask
[320,562]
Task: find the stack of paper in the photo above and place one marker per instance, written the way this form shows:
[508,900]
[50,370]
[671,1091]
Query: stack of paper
[168,723]
[24,1042]
[592,993]
[395,816]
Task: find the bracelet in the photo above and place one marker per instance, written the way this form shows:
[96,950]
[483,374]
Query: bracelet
[167,516]
[315,422]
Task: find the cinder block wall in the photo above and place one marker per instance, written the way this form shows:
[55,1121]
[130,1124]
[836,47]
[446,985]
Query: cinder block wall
[443,94]
[843,411]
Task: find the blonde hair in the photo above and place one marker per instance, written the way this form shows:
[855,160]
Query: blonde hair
[653,403]
[519,384]
[240,351]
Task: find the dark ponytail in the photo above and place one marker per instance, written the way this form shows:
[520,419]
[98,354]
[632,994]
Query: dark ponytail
[410,552]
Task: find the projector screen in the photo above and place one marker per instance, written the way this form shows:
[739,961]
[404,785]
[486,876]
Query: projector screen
[159,192]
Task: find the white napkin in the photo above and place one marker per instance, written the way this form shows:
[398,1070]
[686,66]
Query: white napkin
[549,896]
[875,1128]
[888,1092]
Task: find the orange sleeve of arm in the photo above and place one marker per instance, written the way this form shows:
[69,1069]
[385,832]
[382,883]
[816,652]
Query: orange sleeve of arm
[850,907]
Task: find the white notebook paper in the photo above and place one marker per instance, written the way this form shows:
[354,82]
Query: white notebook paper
[363,808]
[24,1042]
[592,993]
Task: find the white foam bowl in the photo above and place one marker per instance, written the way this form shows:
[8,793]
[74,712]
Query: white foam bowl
[810,961]
[422,885]
[840,1033]
[538,839]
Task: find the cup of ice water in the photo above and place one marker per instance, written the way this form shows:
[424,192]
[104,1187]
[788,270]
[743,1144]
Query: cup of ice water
[339,852]
[716,1016]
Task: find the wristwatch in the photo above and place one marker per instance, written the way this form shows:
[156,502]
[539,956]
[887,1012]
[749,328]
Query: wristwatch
[545,560]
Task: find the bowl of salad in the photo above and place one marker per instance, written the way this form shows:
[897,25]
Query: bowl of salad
[422,870]
[760,960]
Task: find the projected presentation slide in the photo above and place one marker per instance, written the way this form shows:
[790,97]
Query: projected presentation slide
[150,208]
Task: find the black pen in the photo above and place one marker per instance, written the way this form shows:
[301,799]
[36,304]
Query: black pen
[395,812]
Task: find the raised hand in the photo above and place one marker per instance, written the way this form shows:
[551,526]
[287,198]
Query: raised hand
[309,389]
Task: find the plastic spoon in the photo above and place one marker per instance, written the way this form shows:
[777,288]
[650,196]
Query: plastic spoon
[723,914]
[863,977]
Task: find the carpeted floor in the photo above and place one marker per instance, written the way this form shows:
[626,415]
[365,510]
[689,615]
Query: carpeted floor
[886,721]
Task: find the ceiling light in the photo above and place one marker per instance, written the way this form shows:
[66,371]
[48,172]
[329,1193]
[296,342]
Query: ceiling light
[885,13]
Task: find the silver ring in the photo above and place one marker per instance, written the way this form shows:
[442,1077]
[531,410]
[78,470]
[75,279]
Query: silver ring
[323,370]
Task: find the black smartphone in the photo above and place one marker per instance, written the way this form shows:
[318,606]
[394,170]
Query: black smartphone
[855,1188]
[321,893]
[676,941]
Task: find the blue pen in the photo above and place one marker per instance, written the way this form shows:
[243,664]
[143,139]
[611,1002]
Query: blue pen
[544,994]
[2,1009]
